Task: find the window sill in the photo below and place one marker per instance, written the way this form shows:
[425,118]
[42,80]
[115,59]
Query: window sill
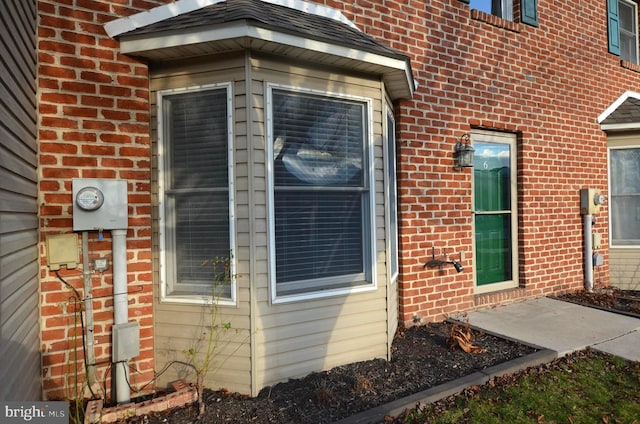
[315,295]
[478,15]
[630,65]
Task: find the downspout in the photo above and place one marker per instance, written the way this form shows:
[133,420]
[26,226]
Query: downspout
[120,308]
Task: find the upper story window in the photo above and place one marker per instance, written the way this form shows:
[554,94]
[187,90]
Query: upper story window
[528,9]
[623,29]
[500,8]
[194,192]
[322,213]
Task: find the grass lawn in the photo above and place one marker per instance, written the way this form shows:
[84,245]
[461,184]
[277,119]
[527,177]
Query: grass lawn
[581,388]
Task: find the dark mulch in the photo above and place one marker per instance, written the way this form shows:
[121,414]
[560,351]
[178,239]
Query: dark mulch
[610,298]
[420,359]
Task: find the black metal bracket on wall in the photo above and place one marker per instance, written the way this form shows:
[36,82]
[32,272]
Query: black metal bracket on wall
[440,263]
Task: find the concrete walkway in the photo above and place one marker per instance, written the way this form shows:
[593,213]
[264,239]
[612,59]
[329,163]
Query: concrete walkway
[562,326]
[557,327]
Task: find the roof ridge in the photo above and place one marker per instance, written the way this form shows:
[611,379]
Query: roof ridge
[160,13]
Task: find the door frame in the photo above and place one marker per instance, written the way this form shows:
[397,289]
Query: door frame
[511,140]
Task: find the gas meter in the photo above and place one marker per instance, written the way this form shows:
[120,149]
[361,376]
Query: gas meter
[99,204]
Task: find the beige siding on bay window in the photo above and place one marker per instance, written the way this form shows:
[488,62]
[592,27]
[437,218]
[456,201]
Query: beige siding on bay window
[276,341]
[179,326]
[296,338]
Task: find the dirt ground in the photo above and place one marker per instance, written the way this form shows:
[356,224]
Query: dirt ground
[421,359]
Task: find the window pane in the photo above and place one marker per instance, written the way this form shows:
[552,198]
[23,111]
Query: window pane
[627,17]
[318,235]
[201,235]
[197,128]
[483,5]
[492,173]
[493,248]
[628,32]
[317,141]
[196,192]
[319,192]
[625,196]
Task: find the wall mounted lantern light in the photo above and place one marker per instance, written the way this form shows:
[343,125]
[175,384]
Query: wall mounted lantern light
[464,152]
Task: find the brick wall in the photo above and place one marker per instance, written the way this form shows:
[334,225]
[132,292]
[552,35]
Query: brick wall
[546,84]
[94,123]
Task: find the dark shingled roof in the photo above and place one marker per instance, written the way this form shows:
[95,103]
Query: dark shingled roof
[627,113]
[274,17]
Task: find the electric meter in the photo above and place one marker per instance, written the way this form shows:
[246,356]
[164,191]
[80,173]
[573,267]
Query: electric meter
[99,204]
[89,198]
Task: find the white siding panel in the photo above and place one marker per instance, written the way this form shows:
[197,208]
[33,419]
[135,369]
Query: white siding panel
[19,316]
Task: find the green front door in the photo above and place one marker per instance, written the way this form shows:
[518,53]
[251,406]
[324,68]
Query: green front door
[493,183]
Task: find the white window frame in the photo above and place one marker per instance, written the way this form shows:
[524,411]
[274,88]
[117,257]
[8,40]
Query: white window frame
[165,283]
[633,34]
[391,193]
[612,242]
[369,282]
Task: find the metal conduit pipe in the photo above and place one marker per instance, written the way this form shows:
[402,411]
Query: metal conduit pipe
[588,253]
[88,310]
[120,308]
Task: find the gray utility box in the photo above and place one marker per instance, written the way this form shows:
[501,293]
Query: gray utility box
[126,341]
[99,204]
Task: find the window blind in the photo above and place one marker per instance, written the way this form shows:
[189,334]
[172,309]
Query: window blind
[197,188]
[320,188]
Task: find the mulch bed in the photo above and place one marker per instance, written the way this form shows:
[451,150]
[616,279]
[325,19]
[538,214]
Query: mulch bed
[610,298]
[421,359]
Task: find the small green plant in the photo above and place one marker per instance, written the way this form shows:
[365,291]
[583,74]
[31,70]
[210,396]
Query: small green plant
[204,356]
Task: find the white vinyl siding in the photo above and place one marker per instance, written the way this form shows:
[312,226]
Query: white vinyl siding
[195,158]
[19,300]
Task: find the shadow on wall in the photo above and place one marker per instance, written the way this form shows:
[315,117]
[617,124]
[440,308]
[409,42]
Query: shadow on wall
[20,372]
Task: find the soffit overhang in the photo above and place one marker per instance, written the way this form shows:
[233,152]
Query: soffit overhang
[235,25]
